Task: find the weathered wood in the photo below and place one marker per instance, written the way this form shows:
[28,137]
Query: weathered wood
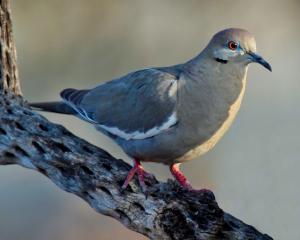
[9,78]
[76,166]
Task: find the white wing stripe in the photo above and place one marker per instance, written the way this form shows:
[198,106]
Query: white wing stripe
[172,119]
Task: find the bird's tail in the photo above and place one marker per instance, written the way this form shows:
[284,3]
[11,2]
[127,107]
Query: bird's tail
[57,107]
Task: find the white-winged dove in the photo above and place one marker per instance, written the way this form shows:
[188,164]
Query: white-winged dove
[170,114]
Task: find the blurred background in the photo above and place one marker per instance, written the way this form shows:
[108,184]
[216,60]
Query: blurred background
[253,171]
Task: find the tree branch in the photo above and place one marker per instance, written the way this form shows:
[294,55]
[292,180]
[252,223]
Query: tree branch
[9,78]
[76,166]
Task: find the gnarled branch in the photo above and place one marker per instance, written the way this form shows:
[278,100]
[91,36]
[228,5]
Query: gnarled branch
[76,166]
[9,79]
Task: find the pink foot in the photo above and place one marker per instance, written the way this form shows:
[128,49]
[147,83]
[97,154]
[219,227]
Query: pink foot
[141,173]
[174,168]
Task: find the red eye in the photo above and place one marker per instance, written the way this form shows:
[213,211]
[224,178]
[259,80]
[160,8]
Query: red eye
[232,45]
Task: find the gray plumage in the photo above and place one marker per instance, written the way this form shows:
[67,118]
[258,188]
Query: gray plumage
[170,114]
[140,101]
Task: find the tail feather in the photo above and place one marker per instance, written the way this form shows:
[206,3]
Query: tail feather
[57,107]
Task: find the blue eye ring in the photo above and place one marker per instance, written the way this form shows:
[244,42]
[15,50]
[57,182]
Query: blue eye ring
[232,45]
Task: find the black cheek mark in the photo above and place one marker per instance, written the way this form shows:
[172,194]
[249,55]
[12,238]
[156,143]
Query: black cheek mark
[221,60]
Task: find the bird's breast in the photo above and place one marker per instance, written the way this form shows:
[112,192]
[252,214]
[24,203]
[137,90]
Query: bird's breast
[208,144]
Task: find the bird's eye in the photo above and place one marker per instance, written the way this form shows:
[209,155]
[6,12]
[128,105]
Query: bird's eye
[232,45]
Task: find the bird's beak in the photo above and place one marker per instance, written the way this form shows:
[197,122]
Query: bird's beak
[258,59]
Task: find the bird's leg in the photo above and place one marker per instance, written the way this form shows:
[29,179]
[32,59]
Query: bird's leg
[174,168]
[181,179]
[141,173]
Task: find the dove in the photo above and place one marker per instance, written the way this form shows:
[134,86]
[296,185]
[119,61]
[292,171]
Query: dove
[172,114]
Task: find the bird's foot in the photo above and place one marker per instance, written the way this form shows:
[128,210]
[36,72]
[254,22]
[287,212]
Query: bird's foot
[202,191]
[141,173]
[187,186]
[181,179]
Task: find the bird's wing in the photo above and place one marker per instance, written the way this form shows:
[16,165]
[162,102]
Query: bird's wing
[137,106]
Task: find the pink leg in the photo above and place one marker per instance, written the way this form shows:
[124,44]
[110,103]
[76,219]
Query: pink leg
[174,168]
[139,170]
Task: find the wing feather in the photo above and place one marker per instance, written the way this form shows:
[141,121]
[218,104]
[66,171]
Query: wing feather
[139,105]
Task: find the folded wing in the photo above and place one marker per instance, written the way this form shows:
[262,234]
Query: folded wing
[139,105]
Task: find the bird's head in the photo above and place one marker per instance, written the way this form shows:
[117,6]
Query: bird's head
[235,46]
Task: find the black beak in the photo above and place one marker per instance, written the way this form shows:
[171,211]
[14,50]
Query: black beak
[258,59]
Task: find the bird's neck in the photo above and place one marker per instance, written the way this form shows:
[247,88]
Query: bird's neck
[203,67]
[194,66]
[213,84]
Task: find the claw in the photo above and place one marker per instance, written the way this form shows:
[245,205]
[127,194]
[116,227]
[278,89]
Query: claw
[141,173]
[174,168]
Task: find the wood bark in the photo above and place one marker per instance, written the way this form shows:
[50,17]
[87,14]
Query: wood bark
[166,211]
